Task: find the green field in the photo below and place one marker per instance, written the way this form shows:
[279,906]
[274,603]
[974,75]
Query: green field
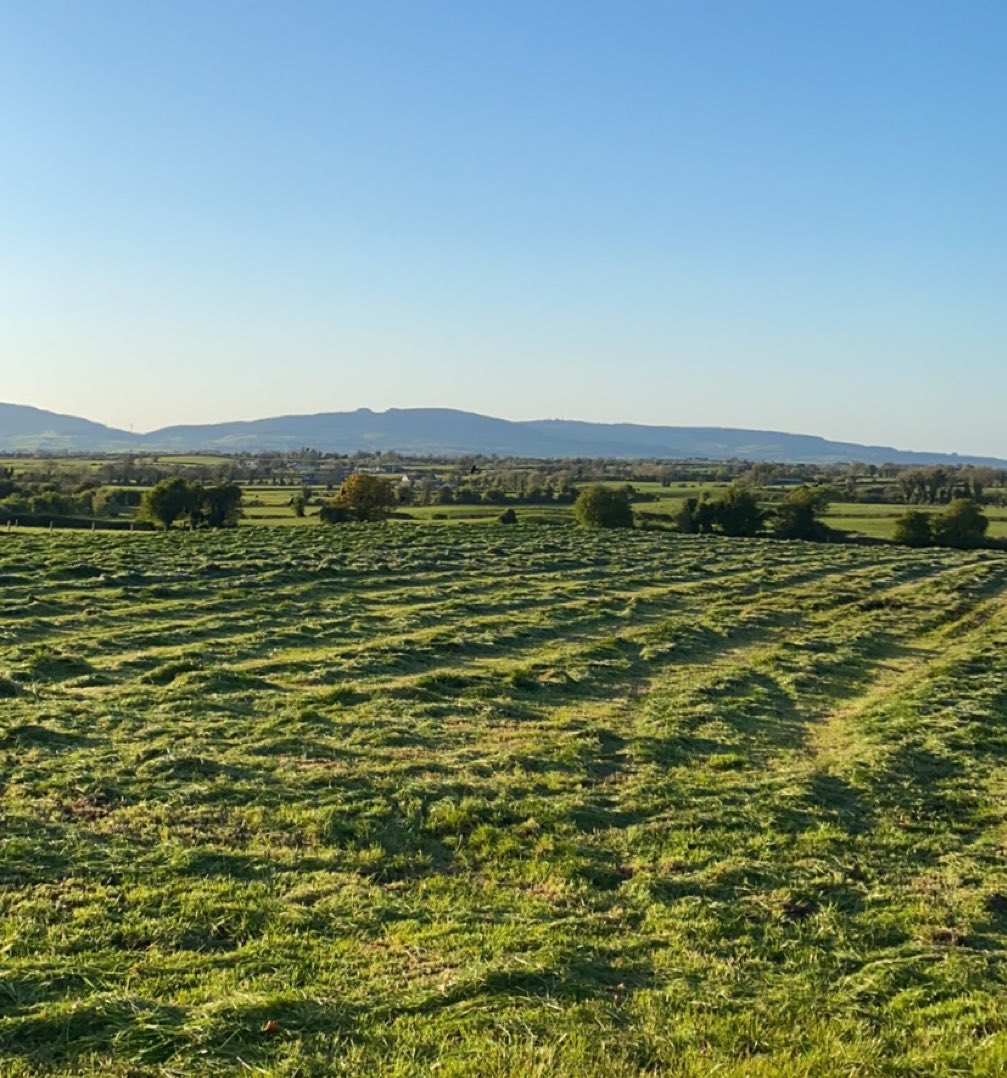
[878,521]
[269,497]
[393,800]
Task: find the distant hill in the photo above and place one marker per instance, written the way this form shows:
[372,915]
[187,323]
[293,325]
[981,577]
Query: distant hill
[25,429]
[445,431]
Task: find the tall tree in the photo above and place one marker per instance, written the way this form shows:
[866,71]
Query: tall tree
[362,497]
[222,505]
[169,500]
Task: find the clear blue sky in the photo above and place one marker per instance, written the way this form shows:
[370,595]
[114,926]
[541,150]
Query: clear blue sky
[775,215]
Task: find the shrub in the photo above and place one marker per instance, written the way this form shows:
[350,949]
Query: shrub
[508,516]
[914,528]
[962,525]
[797,515]
[603,507]
[736,512]
[334,513]
[686,518]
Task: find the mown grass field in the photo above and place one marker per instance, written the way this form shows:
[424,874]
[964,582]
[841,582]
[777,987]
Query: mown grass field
[387,800]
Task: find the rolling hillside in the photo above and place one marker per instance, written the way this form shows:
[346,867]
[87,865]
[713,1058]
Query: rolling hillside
[445,431]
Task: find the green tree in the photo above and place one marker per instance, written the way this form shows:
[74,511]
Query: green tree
[914,528]
[963,524]
[363,498]
[797,515]
[603,507]
[696,516]
[508,516]
[685,518]
[169,500]
[221,505]
[737,512]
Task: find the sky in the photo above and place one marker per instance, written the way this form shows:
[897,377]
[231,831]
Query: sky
[787,216]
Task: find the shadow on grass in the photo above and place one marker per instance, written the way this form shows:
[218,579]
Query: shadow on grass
[59,1032]
[611,757]
[578,979]
[31,735]
[829,799]
[757,707]
[211,864]
[929,785]
[150,1034]
[601,813]
[42,858]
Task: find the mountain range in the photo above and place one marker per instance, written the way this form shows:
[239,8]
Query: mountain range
[447,432]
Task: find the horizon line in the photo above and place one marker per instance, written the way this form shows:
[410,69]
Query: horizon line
[484,415]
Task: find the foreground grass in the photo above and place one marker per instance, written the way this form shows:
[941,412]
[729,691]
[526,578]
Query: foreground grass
[391,800]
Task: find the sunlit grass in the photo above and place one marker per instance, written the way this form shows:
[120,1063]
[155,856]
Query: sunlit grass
[499,801]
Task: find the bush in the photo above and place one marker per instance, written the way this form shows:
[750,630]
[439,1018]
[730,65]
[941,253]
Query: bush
[696,516]
[914,529]
[603,507]
[685,518]
[797,515]
[736,512]
[333,513]
[962,525]
[508,516]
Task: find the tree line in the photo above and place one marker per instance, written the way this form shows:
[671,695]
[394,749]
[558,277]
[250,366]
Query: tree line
[486,478]
[962,525]
[217,506]
[737,512]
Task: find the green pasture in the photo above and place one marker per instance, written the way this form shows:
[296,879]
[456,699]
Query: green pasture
[508,802]
[272,505]
[207,460]
[20,466]
[485,514]
[878,520]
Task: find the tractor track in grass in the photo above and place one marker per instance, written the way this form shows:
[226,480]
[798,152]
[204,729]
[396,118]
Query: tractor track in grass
[883,662]
[903,671]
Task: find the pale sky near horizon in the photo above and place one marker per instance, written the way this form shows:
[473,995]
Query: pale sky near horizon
[787,216]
